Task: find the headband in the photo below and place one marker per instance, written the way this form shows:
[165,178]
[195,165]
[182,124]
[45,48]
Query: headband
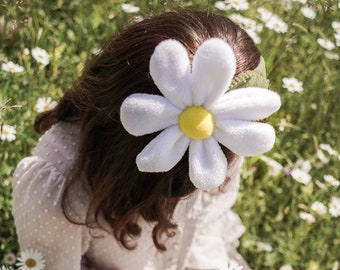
[196,113]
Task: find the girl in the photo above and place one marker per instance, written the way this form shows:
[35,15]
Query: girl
[138,166]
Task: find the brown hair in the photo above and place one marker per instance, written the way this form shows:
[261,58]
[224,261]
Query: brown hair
[120,192]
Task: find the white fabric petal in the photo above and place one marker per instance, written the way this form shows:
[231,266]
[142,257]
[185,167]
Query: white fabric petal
[142,114]
[250,103]
[213,69]
[207,164]
[245,138]
[164,151]
[170,71]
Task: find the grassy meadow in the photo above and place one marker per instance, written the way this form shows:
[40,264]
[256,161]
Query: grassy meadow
[289,199]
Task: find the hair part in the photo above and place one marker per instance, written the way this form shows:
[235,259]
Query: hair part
[120,193]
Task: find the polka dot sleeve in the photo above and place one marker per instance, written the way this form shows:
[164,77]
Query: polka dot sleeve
[39,220]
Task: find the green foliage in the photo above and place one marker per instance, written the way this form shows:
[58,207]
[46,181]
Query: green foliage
[269,205]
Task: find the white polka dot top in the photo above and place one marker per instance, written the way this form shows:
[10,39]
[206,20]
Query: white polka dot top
[206,238]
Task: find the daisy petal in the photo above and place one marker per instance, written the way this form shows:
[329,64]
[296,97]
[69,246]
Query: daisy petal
[250,103]
[213,69]
[207,164]
[170,71]
[245,138]
[142,114]
[164,151]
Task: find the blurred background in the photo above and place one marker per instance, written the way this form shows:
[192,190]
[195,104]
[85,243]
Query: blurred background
[289,199]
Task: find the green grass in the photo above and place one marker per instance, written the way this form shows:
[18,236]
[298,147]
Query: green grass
[70,31]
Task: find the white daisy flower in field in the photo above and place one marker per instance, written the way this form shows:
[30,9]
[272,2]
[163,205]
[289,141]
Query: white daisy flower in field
[292,84]
[309,218]
[265,14]
[130,8]
[236,18]
[331,180]
[305,165]
[319,208]
[286,4]
[238,4]
[261,246]
[337,39]
[326,43]
[41,56]
[301,176]
[301,1]
[332,56]
[31,260]
[320,185]
[196,112]
[277,24]
[336,263]
[26,51]
[286,267]
[9,259]
[249,25]
[308,12]
[254,36]
[11,67]
[221,5]
[274,165]
[234,266]
[336,26]
[329,149]
[320,154]
[334,207]
[45,104]
[5,268]
[7,133]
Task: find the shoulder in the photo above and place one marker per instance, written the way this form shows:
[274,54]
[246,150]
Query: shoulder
[39,180]
[59,145]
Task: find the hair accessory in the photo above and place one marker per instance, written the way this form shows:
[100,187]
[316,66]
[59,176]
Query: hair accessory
[197,113]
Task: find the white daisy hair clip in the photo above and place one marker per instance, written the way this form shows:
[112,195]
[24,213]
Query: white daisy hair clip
[197,113]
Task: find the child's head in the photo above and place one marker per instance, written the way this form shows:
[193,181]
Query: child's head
[121,193]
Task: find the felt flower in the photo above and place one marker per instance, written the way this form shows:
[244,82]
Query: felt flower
[7,133]
[41,56]
[11,67]
[31,260]
[45,104]
[196,113]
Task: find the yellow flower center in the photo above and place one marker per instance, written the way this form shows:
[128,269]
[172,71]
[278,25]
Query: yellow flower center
[30,263]
[197,122]
[46,107]
[5,132]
